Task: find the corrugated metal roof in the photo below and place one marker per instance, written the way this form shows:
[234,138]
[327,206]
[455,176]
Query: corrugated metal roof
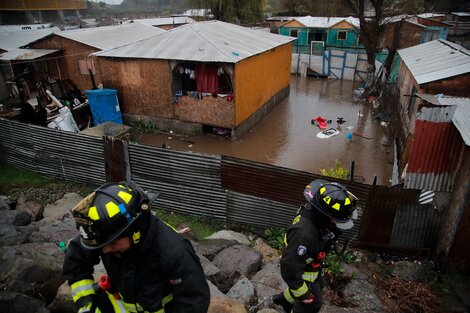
[431,15]
[13,40]
[434,156]
[462,14]
[461,121]
[436,114]
[25,54]
[435,60]
[211,41]
[165,21]
[23,28]
[108,37]
[325,22]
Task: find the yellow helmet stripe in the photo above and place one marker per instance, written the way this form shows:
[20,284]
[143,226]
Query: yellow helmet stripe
[126,197]
[347,201]
[93,213]
[112,209]
[336,206]
[322,190]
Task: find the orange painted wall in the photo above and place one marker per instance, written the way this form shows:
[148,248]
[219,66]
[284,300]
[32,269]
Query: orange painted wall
[293,23]
[259,78]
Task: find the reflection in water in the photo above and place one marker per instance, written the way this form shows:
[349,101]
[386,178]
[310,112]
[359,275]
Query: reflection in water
[287,137]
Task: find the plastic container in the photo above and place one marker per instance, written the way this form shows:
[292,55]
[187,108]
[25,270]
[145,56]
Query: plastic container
[104,106]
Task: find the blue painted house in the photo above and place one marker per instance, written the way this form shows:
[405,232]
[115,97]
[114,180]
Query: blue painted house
[324,32]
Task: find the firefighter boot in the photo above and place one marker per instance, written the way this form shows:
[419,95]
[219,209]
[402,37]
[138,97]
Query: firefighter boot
[279,299]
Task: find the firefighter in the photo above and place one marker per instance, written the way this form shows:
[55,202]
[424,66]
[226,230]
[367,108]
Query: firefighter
[150,267]
[330,208]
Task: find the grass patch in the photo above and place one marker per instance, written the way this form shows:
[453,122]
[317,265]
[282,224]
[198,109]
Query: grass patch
[201,227]
[16,176]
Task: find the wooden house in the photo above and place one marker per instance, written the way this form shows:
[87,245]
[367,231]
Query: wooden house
[207,74]
[331,32]
[76,46]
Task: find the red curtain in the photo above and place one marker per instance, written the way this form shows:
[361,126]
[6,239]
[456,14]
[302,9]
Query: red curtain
[206,78]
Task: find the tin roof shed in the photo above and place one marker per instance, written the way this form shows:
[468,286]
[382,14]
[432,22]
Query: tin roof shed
[210,41]
[108,37]
[325,22]
[436,60]
[13,40]
[176,20]
[25,54]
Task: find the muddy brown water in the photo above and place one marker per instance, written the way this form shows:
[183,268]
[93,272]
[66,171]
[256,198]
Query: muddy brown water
[287,138]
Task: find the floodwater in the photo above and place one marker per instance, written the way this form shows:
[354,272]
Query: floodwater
[287,137]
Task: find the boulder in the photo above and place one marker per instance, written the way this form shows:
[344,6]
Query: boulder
[267,310]
[10,236]
[63,300]
[62,207]
[351,272]
[33,208]
[336,309]
[15,218]
[361,293]
[225,305]
[240,259]
[242,291]
[268,282]
[408,270]
[210,247]
[4,205]
[212,272]
[231,236]
[54,231]
[20,303]
[268,252]
[32,268]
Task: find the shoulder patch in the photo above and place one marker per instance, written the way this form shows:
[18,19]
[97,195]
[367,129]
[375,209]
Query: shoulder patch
[301,250]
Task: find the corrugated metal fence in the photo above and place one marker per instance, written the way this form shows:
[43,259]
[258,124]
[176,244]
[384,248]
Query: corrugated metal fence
[52,153]
[226,188]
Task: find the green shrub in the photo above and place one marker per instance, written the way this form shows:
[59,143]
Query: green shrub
[143,127]
[338,171]
[275,237]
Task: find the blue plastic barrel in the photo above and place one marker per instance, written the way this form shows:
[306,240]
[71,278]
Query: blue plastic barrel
[104,106]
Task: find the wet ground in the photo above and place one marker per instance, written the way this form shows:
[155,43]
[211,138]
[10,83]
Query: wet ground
[287,138]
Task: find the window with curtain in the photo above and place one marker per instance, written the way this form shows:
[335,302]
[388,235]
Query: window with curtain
[206,78]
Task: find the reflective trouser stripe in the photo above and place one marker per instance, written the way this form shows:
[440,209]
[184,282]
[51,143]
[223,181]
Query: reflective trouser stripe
[118,304]
[82,288]
[288,296]
[300,291]
[131,307]
[310,276]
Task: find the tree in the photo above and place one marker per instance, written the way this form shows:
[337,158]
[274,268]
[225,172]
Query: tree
[242,11]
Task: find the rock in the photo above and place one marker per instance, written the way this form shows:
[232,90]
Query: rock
[214,291]
[210,247]
[239,258]
[225,305]
[20,303]
[4,204]
[362,294]
[10,236]
[243,291]
[63,300]
[408,271]
[230,235]
[54,231]
[267,310]
[62,207]
[34,209]
[336,309]
[351,272]
[212,272]
[15,218]
[32,268]
[268,281]
[268,252]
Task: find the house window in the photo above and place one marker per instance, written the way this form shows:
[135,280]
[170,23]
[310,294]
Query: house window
[85,67]
[342,35]
[293,33]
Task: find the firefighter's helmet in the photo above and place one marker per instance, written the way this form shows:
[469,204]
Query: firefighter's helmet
[333,200]
[109,211]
